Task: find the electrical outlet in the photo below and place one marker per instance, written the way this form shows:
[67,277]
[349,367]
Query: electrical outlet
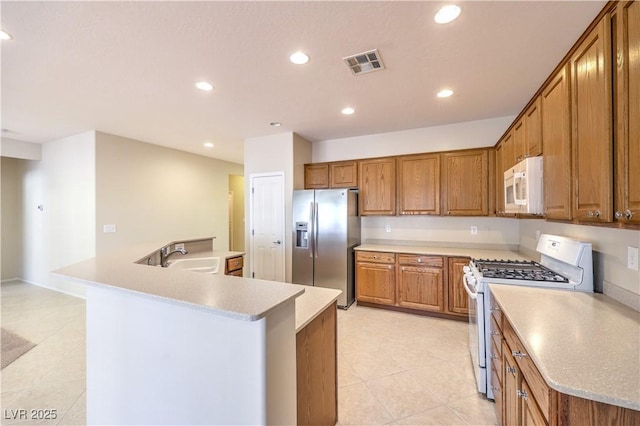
[108,229]
[474,230]
[387,228]
[632,258]
[537,234]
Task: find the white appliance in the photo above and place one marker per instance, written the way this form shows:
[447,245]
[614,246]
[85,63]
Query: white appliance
[523,187]
[564,264]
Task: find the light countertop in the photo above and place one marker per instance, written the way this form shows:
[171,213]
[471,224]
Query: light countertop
[312,303]
[241,298]
[584,344]
[473,252]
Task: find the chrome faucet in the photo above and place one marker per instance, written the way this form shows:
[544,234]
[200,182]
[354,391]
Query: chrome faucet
[165,254]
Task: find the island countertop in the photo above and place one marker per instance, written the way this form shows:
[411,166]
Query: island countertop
[241,298]
[584,344]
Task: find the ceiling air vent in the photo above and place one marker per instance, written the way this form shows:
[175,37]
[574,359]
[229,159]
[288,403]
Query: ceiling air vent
[365,62]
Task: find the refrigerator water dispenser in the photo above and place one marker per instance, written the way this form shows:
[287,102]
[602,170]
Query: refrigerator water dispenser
[302,237]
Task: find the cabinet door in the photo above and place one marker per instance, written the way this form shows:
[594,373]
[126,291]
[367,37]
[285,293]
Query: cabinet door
[458,300]
[509,158]
[627,23]
[556,137]
[419,184]
[531,414]
[519,140]
[375,283]
[316,176]
[377,187]
[344,174]
[465,183]
[592,138]
[533,129]
[421,288]
[511,387]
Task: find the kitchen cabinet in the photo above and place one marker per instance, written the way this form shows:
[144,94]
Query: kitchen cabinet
[419,184]
[343,174]
[508,156]
[465,183]
[510,399]
[519,140]
[556,137]
[457,301]
[420,282]
[592,126]
[499,182]
[233,266]
[497,371]
[626,33]
[533,130]
[377,186]
[376,277]
[316,176]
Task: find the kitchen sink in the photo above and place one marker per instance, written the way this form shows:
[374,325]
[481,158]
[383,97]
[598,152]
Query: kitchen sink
[205,265]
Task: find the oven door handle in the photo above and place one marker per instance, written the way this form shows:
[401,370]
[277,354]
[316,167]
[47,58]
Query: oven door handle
[465,283]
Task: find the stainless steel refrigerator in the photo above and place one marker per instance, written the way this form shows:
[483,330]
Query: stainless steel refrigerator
[326,228]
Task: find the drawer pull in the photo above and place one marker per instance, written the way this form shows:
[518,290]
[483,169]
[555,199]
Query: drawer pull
[419,260]
[522,394]
[494,357]
[495,389]
[511,370]
[518,354]
[495,333]
[494,309]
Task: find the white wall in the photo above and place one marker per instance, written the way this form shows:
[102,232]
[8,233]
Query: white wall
[19,149]
[471,134]
[610,255]
[63,232]
[236,185]
[153,193]
[11,218]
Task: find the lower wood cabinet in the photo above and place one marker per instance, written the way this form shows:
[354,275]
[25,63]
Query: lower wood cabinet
[420,283]
[233,266]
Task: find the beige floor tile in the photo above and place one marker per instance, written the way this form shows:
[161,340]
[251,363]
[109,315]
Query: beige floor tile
[77,414]
[358,406]
[403,395]
[449,381]
[372,364]
[346,374]
[439,416]
[475,410]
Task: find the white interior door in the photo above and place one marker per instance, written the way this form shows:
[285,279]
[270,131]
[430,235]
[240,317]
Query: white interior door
[267,226]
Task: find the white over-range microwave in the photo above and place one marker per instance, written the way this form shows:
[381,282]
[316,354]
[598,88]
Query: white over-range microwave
[523,187]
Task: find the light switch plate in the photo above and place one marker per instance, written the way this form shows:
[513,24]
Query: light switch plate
[107,229]
[632,258]
[387,228]
[474,230]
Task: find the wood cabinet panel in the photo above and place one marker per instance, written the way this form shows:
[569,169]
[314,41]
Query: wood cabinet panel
[375,257]
[421,260]
[421,288]
[375,283]
[497,394]
[509,157]
[556,136]
[511,387]
[531,413]
[499,181]
[626,20]
[578,411]
[465,183]
[344,174]
[533,129]
[458,301]
[316,176]
[419,184]
[377,187]
[519,140]
[592,136]
[316,370]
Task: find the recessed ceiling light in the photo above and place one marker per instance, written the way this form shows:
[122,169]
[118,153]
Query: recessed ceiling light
[348,111]
[5,35]
[203,85]
[299,58]
[445,93]
[208,144]
[275,124]
[447,14]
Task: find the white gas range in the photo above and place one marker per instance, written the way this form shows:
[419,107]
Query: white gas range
[564,264]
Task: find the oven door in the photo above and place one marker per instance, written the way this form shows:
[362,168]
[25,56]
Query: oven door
[476,332]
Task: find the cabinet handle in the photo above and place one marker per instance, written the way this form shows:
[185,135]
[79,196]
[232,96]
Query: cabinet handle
[375,257]
[495,389]
[620,58]
[495,333]
[627,214]
[518,354]
[494,357]
[596,213]
[494,309]
[511,370]
[419,260]
[618,214]
[522,394]
[449,212]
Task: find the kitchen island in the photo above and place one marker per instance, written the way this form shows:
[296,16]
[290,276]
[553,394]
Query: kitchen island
[178,347]
[575,355]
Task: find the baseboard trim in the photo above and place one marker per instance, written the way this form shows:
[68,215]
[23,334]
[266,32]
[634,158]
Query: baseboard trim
[48,287]
[6,280]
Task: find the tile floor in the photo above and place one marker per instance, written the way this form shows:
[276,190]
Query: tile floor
[393,368]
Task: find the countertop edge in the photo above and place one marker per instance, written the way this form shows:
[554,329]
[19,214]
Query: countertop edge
[317,309]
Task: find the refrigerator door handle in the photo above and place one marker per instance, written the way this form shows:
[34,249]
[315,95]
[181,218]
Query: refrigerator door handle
[312,221]
[315,230]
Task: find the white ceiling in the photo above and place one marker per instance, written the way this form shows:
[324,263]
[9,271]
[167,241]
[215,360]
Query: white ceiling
[129,68]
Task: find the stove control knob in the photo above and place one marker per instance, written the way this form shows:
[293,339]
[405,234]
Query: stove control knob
[466,269]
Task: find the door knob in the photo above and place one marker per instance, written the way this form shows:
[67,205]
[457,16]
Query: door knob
[277,242]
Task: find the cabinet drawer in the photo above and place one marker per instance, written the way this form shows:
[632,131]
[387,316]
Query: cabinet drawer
[496,358]
[234,263]
[375,256]
[421,260]
[496,335]
[496,314]
[539,388]
[497,394]
[236,273]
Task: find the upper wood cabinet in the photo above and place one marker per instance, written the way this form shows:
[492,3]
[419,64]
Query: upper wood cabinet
[556,136]
[465,183]
[533,130]
[316,176]
[626,28]
[519,140]
[377,186]
[343,174]
[499,181]
[508,154]
[419,184]
[592,128]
